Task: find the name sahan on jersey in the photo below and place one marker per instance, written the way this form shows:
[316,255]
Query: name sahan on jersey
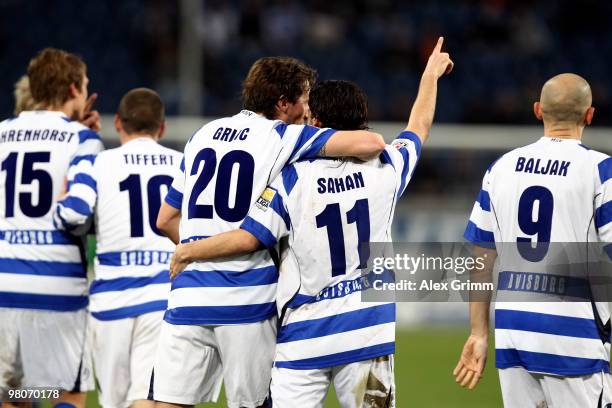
[325,322]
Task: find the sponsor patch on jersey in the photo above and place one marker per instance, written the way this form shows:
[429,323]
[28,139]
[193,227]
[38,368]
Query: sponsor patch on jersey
[398,144]
[263,202]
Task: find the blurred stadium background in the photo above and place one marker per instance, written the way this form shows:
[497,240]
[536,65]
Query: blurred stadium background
[195,53]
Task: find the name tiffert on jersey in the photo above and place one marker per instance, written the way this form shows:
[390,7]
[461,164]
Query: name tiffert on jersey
[34,135]
[340,184]
[149,159]
[552,167]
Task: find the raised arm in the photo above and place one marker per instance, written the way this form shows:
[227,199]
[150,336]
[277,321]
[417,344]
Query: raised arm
[362,144]
[219,246]
[422,114]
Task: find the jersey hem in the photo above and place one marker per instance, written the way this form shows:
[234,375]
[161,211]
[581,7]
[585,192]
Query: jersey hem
[296,365]
[171,399]
[547,370]
[101,316]
[204,322]
[42,307]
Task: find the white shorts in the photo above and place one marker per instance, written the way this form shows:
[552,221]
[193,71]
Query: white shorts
[123,352]
[520,388]
[40,348]
[365,384]
[192,361]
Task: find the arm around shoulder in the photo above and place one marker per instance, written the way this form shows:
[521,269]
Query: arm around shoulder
[362,144]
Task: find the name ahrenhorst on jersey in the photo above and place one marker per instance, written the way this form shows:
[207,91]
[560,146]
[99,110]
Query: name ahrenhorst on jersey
[34,135]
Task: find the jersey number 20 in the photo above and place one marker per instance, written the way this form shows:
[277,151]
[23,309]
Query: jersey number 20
[244,184]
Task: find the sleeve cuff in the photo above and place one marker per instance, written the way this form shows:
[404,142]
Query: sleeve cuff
[406,134]
[263,234]
[313,151]
[174,198]
[480,237]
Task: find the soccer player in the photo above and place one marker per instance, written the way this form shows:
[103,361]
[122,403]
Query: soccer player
[221,315]
[548,353]
[327,208]
[23,97]
[123,188]
[43,286]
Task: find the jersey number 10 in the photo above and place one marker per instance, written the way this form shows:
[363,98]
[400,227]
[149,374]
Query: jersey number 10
[133,186]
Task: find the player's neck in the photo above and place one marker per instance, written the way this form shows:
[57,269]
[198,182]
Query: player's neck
[125,138]
[564,131]
[67,108]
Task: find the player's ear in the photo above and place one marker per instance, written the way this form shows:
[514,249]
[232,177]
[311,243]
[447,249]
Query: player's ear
[316,122]
[74,91]
[118,125]
[162,129]
[588,117]
[282,105]
[537,110]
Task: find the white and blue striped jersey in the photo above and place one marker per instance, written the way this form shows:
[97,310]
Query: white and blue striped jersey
[40,267]
[227,164]
[554,190]
[327,209]
[123,189]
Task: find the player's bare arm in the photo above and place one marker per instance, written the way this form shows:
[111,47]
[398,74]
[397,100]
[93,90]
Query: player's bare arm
[168,220]
[472,361]
[229,243]
[361,144]
[422,114]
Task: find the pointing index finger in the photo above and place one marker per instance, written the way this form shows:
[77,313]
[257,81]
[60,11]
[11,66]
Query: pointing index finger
[90,101]
[438,46]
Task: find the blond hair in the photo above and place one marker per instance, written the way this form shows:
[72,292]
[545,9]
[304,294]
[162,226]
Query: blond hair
[23,96]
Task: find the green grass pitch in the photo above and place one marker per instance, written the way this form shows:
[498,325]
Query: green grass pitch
[424,361]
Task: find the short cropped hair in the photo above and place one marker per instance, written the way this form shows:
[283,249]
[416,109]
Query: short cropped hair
[340,105]
[52,72]
[271,78]
[141,110]
[23,97]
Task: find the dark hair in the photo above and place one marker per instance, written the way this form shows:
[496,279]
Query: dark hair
[271,78]
[141,110]
[340,105]
[52,72]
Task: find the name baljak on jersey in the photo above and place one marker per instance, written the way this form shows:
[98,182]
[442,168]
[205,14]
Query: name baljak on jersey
[41,267]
